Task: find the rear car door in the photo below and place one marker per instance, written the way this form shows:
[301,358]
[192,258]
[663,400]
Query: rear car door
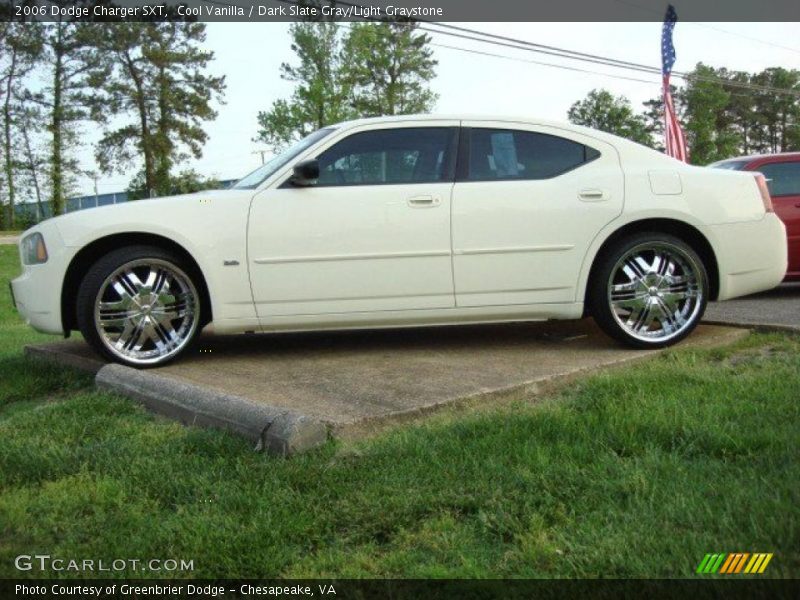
[783,180]
[527,203]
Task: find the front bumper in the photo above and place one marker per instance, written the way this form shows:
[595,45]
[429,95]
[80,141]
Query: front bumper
[37,297]
[36,293]
[752,256]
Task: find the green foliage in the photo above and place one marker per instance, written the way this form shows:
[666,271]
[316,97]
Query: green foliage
[708,135]
[601,110]
[722,119]
[186,181]
[74,74]
[389,68]
[20,49]
[157,78]
[321,95]
[377,69]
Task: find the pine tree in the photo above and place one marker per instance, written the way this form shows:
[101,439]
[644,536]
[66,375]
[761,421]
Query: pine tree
[20,48]
[321,95]
[389,66]
[74,73]
[157,77]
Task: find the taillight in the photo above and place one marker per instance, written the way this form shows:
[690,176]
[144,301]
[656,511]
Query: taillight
[765,197]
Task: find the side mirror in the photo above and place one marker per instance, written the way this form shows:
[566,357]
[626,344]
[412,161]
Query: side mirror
[305,173]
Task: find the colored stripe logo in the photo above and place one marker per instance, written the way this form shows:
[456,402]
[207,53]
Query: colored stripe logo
[734,562]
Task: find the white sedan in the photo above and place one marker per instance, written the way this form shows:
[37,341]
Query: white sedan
[407,221]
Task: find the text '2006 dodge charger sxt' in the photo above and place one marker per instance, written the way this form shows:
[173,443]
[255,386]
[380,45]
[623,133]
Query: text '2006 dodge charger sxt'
[409,221]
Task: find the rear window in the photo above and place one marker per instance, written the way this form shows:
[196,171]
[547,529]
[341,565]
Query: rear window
[502,154]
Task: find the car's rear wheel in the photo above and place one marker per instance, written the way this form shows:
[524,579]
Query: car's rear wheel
[649,290]
[139,306]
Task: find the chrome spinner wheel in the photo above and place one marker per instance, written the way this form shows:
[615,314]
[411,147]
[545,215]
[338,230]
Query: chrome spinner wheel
[146,311]
[656,292]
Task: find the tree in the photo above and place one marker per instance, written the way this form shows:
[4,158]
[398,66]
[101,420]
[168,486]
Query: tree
[740,111]
[389,68]
[321,95]
[158,76]
[20,48]
[71,96]
[32,161]
[601,110]
[777,116]
[707,126]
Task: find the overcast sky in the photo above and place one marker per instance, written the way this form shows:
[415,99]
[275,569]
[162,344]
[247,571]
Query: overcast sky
[250,54]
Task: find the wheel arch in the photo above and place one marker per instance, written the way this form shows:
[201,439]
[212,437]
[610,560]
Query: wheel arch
[680,229]
[89,254]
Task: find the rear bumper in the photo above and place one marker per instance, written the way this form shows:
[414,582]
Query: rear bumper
[751,256]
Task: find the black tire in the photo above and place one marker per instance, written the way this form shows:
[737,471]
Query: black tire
[612,318]
[139,259]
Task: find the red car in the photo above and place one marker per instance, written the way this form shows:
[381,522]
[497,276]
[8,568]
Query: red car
[782,172]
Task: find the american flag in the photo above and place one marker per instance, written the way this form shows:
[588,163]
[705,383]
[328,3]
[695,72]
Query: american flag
[674,138]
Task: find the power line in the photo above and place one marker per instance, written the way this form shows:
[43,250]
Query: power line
[595,59]
[557,66]
[520,44]
[545,64]
[712,27]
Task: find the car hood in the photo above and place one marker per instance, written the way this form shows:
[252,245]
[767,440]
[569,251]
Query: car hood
[164,215]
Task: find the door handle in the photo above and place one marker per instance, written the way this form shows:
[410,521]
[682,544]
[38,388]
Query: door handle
[593,195]
[423,201]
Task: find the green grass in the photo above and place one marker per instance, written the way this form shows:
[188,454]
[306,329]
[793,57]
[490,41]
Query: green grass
[634,473]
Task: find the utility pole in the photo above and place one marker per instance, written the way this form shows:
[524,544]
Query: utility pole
[263,153]
[96,199]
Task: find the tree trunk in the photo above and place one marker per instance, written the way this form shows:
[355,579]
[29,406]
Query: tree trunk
[147,143]
[56,160]
[31,165]
[9,162]
[163,160]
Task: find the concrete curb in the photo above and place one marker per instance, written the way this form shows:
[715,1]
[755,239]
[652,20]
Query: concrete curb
[49,353]
[277,431]
[759,327]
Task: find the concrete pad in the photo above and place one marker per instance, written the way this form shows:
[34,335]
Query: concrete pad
[355,381]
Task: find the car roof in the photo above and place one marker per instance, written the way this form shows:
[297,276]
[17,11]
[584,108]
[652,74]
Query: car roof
[754,157]
[615,140]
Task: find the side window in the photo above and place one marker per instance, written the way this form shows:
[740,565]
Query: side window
[783,179]
[386,156]
[509,154]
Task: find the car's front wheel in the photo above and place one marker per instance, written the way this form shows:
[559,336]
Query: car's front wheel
[649,290]
[139,306]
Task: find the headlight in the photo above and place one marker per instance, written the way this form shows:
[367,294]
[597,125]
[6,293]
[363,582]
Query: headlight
[33,250]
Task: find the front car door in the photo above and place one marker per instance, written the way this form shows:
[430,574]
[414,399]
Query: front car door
[783,180]
[372,235]
[527,203]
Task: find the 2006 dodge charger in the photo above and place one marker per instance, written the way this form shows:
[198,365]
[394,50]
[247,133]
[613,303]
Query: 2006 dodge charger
[409,221]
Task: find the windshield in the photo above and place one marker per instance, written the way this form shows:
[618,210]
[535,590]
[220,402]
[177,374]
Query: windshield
[254,179]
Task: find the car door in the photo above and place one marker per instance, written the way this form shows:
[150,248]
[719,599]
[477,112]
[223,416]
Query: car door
[783,180]
[527,203]
[373,234]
